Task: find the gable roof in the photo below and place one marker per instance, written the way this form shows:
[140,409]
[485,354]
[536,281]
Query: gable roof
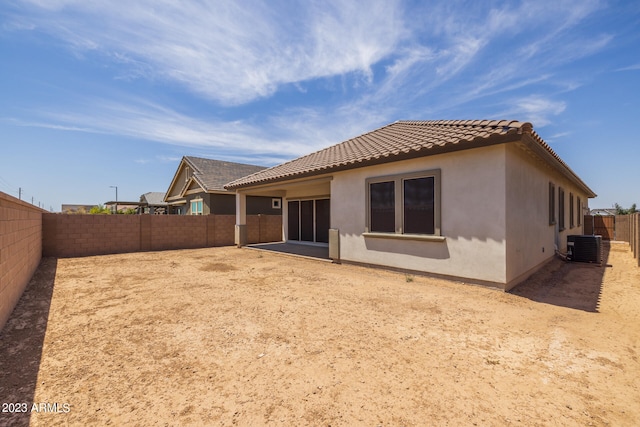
[212,175]
[603,212]
[404,140]
[153,198]
[208,174]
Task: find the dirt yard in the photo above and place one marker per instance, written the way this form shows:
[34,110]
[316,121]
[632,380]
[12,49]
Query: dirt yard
[229,336]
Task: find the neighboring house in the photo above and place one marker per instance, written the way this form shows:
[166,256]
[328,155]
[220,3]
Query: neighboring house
[197,188]
[487,201]
[121,206]
[66,208]
[153,203]
[602,212]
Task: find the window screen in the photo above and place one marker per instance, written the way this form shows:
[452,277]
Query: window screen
[419,205]
[382,204]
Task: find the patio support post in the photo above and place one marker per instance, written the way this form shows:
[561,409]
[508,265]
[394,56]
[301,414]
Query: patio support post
[241,219]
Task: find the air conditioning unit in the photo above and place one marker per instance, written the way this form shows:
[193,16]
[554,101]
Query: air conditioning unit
[584,248]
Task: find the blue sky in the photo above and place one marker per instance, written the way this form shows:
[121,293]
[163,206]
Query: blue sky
[96,94]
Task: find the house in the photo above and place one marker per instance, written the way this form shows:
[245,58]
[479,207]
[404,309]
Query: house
[122,206]
[485,201]
[67,208]
[603,212]
[153,203]
[197,188]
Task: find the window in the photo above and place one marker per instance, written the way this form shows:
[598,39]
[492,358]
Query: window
[196,207]
[571,211]
[579,209]
[418,203]
[407,204]
[552,204]
[560,209]
[383,215]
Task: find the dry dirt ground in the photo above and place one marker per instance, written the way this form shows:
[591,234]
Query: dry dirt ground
[228,336]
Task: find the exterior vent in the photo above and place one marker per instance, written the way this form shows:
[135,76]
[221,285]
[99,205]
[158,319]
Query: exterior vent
[584,248]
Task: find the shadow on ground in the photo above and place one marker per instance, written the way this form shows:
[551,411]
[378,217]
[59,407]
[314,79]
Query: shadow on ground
[567,284]
[309,251]
[21,342]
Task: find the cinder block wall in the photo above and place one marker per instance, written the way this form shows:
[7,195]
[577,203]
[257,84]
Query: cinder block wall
[270,228]
[82,235]
[264,228]
[223,234]
[20,250]
[623,227]
[634,235]
[179,231]
[86,235]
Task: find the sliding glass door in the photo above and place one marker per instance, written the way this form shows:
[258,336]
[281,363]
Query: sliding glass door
[309,220]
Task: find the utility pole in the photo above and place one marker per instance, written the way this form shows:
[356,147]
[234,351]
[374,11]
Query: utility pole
[116,187]
[19,193]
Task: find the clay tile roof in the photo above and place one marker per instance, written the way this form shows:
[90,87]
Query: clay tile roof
[396,141]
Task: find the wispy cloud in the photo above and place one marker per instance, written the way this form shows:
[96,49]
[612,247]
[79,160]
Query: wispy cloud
[461,53]
[558,135]
[630,68]
[283,136]
[398,60]
[229,51]
[536,109]
[158,159]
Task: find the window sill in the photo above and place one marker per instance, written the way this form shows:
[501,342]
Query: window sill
[421,237]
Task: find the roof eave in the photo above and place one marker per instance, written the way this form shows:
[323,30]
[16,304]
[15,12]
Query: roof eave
[510,136]
[175,177]
[543,153]
[185,188]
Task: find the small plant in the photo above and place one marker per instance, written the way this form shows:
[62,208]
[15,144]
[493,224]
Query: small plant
[100,209]
[408,278]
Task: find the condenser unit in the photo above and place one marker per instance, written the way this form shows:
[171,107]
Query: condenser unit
[584,248]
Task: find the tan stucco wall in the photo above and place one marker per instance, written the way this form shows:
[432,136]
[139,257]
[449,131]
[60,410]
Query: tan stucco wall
[494,214]
[473,217]
[531,240]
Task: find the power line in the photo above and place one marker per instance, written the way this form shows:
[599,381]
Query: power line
[10,189]
[6,187]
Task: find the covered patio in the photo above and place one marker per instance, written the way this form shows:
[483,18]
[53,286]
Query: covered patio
[305,251]
[306,216]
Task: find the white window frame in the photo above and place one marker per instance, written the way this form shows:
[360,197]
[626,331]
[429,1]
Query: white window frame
[198,203]
[398,181]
